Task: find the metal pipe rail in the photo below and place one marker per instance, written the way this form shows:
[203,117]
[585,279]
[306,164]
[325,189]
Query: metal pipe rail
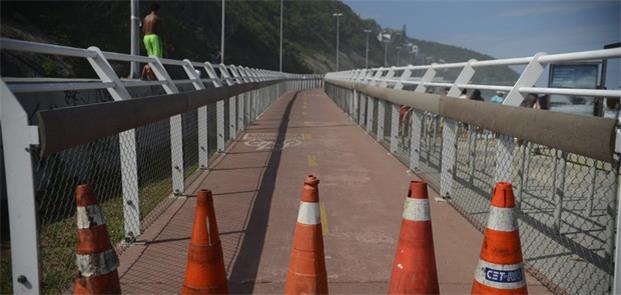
[562,166]
[117,144]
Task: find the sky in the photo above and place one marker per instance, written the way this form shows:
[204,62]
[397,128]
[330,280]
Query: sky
[505,28]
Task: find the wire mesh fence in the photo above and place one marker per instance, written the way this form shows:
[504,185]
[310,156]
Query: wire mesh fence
[97,163]
[106,164]
[566,203]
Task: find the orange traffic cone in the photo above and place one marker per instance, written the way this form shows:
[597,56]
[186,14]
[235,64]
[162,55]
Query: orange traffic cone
[414,268]
[307,268]
[500,269]
[205,272]
[97,261]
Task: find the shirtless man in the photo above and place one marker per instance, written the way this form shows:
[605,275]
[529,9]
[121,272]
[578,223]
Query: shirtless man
[151,28]
[152,41]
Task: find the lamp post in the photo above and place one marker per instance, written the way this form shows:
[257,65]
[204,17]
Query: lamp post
[222,37]
[134,36]
[366,52]
[338,15]
[413,52]
[398,54]
[281,20]
[385,54]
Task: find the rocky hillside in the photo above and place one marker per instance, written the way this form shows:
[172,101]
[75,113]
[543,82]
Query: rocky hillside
[193,28]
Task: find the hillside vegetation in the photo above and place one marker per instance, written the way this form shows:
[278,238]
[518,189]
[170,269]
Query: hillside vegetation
[252,33]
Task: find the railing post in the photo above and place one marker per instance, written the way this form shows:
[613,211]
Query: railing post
[201,117]
[417,121]
[615,231]
[558,187]
[127,149]
[231,102]
[381,107]
[217,82]
[449,135]
[17,136]
[370,103]
[239,101]
[232,113]
[506,144]
[220,110]
[176,129]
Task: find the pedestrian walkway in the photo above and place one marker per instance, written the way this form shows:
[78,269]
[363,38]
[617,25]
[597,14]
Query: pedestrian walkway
[256,188]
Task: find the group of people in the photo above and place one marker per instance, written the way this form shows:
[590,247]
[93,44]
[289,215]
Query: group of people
[531,100]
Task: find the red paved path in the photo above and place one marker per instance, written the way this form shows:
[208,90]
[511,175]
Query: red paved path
[256,194]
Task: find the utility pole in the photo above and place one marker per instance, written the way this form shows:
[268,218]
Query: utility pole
[222,36]
[385,54]
[134,36]
[281,21]
[398,54]
[366,55]
[338,15]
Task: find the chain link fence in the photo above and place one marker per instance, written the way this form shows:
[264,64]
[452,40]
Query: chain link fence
[566,203]
[101,164]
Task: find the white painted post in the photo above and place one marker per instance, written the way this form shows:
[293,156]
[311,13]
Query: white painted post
[370,103]
[239,100]
[381,106]
[203,144]
[17,136]
[231,101]
[127,148]
[506,144]
[176,129]
[417,121]
[449,135]
[615,231]
[217,82]
[381,110]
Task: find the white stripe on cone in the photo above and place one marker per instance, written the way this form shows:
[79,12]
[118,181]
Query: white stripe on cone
[502,219]
[416,209]
[309,213]
[500,276]
[97,264]
[89,216]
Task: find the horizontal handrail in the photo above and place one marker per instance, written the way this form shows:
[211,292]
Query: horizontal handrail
[589,136]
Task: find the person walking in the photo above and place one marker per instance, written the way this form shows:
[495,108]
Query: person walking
[151,27]
[476,95]
[152,39]
[498,98]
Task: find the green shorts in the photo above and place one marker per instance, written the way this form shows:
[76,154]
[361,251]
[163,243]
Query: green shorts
[154,46]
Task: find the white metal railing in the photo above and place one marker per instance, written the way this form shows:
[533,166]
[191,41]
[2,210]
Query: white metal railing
[19,135]
[534,67]
[530,74]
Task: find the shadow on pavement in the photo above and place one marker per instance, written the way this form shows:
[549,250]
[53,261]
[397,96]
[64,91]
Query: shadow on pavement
[245,269]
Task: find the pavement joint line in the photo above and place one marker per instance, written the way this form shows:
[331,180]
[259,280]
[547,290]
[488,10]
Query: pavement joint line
[323,217]
[312,160]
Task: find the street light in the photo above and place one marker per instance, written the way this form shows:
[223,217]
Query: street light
[135,37]
[413,51]
[222,37]
[280,58]
[398,53]
[338,15]
[366,55]
[384,37]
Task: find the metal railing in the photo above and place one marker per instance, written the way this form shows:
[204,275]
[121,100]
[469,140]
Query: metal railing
[567,195]
[137,172]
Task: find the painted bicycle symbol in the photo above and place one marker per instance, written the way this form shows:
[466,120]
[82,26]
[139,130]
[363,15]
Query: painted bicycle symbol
[267,141]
